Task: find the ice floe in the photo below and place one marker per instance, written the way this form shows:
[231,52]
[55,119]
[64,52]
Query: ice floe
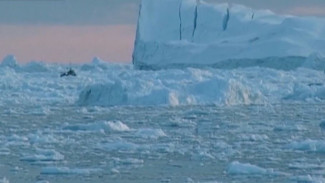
[245,168]
[103,126]
[43,155]
[150,133]
[66,170]
[309,146]
[4,180]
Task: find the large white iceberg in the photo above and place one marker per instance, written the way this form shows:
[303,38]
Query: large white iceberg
[174,33]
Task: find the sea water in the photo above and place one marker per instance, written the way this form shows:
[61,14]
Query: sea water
[266,131]
[276,143]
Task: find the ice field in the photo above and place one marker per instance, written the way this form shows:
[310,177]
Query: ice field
[113,123]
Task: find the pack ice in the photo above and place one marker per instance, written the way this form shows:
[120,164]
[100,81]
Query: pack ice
[174,33]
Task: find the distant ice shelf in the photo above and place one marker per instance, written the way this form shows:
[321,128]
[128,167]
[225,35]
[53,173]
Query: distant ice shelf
[180,33]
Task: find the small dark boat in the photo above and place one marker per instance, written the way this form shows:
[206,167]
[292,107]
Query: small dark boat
[70,72]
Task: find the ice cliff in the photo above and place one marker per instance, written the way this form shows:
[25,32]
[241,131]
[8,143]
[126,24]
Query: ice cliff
[174,33]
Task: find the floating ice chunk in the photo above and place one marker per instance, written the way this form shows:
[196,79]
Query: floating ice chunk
[306,166]
[66,170]
[304,92]
[128,162]
[4,151]
[42,181]
[105,126]
[95,127]
[9,61]
[32,67]
[16,169]
[322,125]
[245,168]
[189,180]
[104,95]
[166,148]
[308,179]
[315,62]
[40,111]
[308,145]
[254,137]
[115,171]
[202,155]
[15,137]
[288,128]
[43,155]
[40,138]
[96,61]
[119,146]
[4,180]
[16,140]
[150,133]
[118,126]
[96,65]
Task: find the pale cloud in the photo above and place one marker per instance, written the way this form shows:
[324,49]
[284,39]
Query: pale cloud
[67,43]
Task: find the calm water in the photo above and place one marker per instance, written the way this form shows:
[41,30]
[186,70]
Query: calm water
[285,142]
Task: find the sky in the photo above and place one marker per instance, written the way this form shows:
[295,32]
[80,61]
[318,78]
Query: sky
[78,30]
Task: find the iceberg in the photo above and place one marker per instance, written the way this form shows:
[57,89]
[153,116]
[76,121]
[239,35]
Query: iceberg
[9,61]
[178,33]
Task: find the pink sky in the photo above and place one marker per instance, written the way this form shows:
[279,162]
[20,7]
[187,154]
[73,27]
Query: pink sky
[73,43]
[67,43]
